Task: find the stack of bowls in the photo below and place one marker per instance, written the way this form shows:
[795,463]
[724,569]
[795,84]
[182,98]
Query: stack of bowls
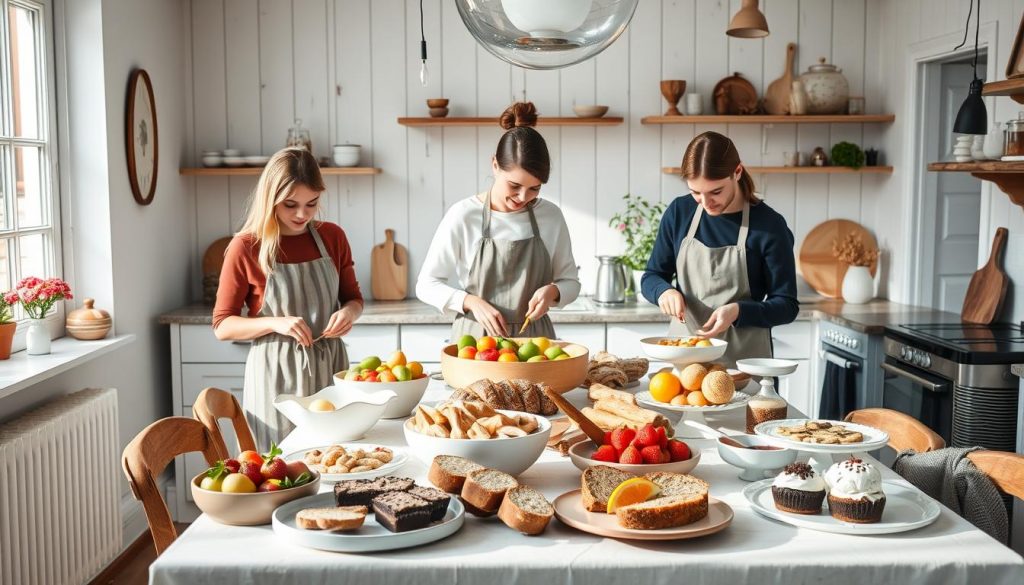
[438,107]
[346,155]
[233,158]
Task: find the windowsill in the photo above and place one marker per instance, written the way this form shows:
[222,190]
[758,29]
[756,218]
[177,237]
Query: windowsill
[23,370]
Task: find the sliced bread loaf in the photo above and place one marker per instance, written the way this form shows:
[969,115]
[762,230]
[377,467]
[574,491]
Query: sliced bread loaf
[666,512]
[449,472]
[337,518]
[526,510]
[598,482]
[485,488]
[678,484]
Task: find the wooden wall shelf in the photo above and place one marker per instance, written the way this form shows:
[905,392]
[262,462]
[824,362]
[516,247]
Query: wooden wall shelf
[1008,176]
[1013,88]
[802,170]
[541,121]
[769,119]
[255,171]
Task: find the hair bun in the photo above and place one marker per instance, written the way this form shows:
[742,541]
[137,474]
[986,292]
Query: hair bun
[519,114]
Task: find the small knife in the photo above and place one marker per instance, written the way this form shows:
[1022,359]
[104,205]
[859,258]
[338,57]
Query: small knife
[526,324]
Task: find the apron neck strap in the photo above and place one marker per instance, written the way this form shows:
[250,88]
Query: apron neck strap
[741,241]
[486,229]
[695,222]
[319,242]
[533,220]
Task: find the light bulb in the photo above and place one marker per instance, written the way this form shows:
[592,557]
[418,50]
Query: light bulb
[424,75]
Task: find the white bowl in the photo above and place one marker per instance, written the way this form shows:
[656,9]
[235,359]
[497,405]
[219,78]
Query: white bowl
[766,366]
[355,413]
[590,111]
[212,160]
[234,161]
[346,159]
[232,152]
[755,462]
[581,454]
[683,355]
[256,160]
[408,393]
[512,455]
[543,18]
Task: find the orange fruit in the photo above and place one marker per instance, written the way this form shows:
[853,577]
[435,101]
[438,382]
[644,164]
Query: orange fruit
[468,352]
[416,368]
[508,357]
[665,386]
[697,399]
[632,491]
[692,376]
[486,343]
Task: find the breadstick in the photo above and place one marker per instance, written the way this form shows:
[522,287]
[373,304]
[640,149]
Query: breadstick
[630,411]
[602,392]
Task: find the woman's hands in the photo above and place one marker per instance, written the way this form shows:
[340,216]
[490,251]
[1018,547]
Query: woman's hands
[672,304]
[541,302]
[721,319]
[340,323]
[486,315]
[294,327]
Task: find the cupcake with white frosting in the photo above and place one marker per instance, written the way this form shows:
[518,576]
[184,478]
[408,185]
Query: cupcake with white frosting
[855,491]
[798,489]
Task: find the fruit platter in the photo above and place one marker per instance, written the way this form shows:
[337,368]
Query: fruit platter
[403,377]
[559,364]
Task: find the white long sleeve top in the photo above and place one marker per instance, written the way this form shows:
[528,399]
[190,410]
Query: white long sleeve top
[445,272]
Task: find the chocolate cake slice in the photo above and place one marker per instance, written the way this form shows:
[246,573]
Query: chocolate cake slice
[437,499]
[401,511]
[356,492]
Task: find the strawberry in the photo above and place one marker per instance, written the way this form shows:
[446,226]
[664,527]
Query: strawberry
[252,471]
[622,437]
[232,465]
[646,436]
[271,485]
[276,468]
[605,453]
[607,438]
[631,456]
[662,437]
[678,450]
[651,454]
[666,457]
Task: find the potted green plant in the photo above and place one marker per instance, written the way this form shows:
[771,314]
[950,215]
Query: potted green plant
[638,224]
[7,324]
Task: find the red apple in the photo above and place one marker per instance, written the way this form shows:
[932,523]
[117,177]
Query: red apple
[297,468]
[271,485]
[487,355]
[232,465]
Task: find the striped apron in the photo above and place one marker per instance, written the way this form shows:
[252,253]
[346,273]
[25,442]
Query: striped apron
[278,364]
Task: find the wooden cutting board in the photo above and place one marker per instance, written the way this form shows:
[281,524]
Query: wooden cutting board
[988,286]
[213,257]
[823,271]
[389,269]
[776,99]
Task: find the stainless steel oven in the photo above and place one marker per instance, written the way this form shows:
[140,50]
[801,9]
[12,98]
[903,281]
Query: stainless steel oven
[849,383]
[925,397]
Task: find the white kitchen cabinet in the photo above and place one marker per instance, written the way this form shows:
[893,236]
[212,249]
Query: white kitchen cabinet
[797,388]
[423,343]
[623,339]
[794,340]
[589,335]
[197,377]
[367,340]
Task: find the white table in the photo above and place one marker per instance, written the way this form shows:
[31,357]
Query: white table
[753,549]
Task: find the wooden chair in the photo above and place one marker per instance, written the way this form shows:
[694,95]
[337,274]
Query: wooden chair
[214,404]
[1006,470]
[146,457]
[905,432]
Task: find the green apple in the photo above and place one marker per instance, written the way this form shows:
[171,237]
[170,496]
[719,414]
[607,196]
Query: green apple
[238,483]
[403,373]
[209,483]
[527,351]
[553,352]
[538,358]
[467,341]
[507,344]
[370,363]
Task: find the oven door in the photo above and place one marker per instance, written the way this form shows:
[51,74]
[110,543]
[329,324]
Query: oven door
[842,387]
[921,395]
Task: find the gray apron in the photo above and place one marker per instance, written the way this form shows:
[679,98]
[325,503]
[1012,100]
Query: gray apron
[712,277]
[278,364]
[506,273]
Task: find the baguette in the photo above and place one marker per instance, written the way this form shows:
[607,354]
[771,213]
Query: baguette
[485,488]
[448,472]
[631,412]
[526,510]
[336,518]
[601,392]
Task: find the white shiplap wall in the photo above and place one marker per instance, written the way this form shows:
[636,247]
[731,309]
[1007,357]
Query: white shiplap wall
[349,68]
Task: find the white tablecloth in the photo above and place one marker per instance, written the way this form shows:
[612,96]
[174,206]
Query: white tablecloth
[753,549]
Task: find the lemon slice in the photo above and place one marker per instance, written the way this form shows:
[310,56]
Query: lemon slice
[632,491]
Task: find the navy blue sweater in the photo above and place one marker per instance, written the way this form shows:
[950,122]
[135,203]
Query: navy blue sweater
[771,266]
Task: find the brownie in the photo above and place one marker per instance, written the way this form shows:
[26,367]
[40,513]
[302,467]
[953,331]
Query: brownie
[356,492]
[401,511]
[437,499]
[390,483]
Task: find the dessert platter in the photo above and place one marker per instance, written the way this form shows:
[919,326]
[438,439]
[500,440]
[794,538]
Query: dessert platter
[826,440]
[350,461]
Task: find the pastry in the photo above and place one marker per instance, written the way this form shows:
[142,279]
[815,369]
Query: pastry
[798,489]
[855,491]
[718,387]
[821,432]
[337,518]
[485,488]
[449,472]
[597,484]
[526,510]
[437,499]
[401,511]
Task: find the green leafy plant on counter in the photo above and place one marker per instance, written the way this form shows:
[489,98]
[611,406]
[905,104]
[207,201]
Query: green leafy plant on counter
[638,224]
[847,154]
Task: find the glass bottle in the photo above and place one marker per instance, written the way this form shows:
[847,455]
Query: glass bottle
[766,405]
[299,136]
[1013,143]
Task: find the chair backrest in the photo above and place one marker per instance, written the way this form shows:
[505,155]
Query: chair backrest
[905,432]
[214,404]
[1006,470]
[148,454]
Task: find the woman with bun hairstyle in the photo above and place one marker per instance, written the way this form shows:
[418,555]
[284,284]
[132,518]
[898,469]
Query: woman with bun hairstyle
[503,256]
[730,254]
[296,277]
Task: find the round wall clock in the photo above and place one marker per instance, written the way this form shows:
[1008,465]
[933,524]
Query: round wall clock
[141,140]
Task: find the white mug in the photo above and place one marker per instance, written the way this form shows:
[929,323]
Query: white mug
[694,104]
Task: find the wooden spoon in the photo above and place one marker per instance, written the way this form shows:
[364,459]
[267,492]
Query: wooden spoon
[586,425]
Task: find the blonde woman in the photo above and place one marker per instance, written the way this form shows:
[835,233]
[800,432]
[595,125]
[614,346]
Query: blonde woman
[296,277]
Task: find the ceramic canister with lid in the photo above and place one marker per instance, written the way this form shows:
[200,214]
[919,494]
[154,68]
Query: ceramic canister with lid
[827,90]
[88,322]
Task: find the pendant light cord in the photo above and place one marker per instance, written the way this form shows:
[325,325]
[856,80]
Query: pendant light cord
[423,36]
[967,30]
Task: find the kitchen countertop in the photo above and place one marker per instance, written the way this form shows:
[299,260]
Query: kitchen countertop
[870,318]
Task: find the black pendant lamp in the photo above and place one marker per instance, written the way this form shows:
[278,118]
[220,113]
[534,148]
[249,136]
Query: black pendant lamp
[972,117]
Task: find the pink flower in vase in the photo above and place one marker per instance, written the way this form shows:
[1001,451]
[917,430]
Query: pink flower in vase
[622,227]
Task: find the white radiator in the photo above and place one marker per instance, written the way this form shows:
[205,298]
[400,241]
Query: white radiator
[60,483]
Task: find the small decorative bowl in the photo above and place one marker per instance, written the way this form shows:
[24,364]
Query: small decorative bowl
[581,454]
[438,112]
[437,103]
[88,323]
[590,111]
[355,413]
[408,393]
[247,509]
[755,462]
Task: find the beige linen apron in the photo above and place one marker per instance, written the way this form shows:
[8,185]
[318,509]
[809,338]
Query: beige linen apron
[278,364]
[506,273]
[712,277]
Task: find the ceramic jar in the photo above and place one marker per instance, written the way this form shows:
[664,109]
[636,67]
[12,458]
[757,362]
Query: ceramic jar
[88,322]
[827,89]
[858,286]
[798,99]
[37,337]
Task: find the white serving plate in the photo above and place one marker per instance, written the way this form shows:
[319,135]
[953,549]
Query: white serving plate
[766,366]
[370,537]
[400,458]
[906,508]
[873,438]
[680,356]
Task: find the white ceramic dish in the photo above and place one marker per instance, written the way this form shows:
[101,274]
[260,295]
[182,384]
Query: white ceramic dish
[683,355]
[256,160]
[590,111]
[355,413]
[873,438]
[234,161]
[400,458]
[513,455]
[408,394]
[906,508]
[755,464]
[581,454]
[368,538]
[766,367]
[570,511]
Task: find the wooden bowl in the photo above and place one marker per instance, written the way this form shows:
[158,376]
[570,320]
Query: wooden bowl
[560,375]
[437,103]
[590,111]
[438,112]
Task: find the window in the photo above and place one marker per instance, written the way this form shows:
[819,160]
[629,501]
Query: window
[29,214]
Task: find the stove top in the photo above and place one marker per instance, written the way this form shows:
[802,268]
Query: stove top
[964,342]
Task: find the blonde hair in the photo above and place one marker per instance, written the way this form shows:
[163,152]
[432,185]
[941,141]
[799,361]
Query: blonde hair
[288,168]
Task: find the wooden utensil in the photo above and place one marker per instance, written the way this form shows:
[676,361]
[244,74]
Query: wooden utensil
[389,269]
[776,99]
[819,267]
[526,323]
[586,425]
[734,95]
[988,286]
[213,257]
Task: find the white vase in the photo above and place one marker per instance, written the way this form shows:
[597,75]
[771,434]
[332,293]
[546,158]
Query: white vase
[37,337]
[858,286]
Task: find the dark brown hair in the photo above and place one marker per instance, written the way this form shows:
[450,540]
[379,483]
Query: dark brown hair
[522,146]
[713,156]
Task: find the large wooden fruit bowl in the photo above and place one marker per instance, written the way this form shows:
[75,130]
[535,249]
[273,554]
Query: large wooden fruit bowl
[560,375]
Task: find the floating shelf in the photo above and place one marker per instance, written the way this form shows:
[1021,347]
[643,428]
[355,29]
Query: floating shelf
[802,170]
[1013,88]
[769,119]
[255,171]
[541,121]
[1008,176]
